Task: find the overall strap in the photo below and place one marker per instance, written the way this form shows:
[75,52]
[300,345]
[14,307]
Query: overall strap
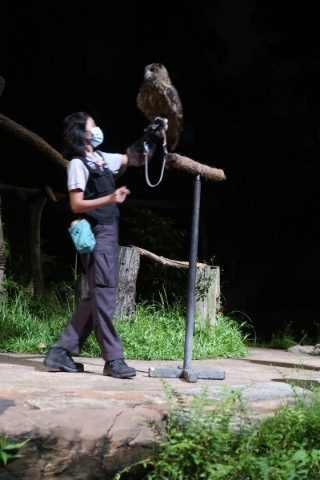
[99,153]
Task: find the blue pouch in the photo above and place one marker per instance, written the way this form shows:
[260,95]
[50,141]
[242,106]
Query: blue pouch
[82,236]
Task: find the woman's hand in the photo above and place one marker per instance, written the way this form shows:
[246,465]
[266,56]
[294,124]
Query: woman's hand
[119,195]
[79,204]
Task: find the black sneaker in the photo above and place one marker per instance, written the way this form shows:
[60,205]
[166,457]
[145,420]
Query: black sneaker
[118,369]
[59,358]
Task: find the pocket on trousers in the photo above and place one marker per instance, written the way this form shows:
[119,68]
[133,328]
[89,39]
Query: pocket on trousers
[105,270]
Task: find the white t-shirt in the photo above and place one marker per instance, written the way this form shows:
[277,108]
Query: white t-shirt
[78,173]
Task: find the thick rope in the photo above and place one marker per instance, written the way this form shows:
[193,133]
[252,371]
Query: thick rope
[165,261]
[32,138]
[195,168]
[50,193]
[54,197]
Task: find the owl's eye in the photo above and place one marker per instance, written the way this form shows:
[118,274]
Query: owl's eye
[151,69]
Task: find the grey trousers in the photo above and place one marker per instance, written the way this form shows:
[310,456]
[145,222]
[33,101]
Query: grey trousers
[95,312]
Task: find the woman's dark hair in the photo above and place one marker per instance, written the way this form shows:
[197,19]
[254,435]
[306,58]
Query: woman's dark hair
[74,127]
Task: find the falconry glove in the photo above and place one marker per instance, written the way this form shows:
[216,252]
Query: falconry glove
[144,148]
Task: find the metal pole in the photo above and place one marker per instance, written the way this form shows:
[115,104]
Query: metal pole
[186,372]
[193,258]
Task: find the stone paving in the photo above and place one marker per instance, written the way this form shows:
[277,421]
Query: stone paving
[86,426]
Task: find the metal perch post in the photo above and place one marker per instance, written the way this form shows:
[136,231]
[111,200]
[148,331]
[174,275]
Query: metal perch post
[186,372]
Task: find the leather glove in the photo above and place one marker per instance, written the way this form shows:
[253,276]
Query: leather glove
[144,148]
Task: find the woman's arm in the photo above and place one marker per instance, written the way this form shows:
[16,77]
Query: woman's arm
[124,160]
[80,205]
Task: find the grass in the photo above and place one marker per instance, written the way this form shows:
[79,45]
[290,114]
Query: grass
[284,339]
[156,332]
[9,451]
[215,440]
[28,325]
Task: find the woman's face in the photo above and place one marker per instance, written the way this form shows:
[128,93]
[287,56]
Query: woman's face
[93,134]
[89,125]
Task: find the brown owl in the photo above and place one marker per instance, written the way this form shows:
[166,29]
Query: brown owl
[157,97]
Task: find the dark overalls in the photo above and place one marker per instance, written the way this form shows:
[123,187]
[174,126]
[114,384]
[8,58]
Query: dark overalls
[95,312]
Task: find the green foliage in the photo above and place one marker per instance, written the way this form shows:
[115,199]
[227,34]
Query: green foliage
[197,441]
[156,332]
[30,325]
[160,235]
[285,338]
[215,440]
[154,231]
[289,442]
[204,281]
[9,451]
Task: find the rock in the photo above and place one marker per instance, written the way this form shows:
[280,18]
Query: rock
[316,350]
[306,349]
[79,443]
[86,426]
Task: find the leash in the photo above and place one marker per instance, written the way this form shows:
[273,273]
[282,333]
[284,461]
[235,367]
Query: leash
[146,151]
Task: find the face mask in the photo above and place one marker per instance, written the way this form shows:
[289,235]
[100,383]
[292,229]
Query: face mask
[97,136]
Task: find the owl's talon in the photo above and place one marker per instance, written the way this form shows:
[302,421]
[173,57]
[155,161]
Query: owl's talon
[163,121]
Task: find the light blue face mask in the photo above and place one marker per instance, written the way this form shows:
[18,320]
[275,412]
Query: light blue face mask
[97,136]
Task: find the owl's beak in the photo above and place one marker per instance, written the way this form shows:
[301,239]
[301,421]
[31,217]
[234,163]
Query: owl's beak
[147,73]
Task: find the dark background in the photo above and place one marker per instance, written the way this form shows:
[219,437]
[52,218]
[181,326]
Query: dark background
[248,76]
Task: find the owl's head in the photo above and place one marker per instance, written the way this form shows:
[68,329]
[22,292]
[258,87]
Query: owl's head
[157,71]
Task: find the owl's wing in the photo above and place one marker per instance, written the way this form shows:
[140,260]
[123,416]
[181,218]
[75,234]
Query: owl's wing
[148,100]
[172,110]
[158,100]
[174,103]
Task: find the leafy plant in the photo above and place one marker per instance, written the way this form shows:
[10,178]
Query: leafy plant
[161,235]
[9,451]
[203,283]
[216,440]
[286,338]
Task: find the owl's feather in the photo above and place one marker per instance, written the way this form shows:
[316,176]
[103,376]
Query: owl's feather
[158,97]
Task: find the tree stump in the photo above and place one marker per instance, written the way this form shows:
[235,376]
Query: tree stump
[129,263]
[207,286]
[82,288]
[36,208]
[2,257]
[207,294]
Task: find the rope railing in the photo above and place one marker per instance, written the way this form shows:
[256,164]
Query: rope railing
[165,261]
[14,128]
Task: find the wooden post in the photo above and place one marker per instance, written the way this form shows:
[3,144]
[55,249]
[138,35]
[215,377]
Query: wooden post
[35,245]
[82,289]
[129,263]
[207,284]
[2,257]
[207,294]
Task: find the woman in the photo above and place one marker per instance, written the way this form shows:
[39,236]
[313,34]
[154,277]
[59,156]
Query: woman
[93,196]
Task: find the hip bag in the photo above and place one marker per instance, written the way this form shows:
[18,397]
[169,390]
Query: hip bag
[82,236]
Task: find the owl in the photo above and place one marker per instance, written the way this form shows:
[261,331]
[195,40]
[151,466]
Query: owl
[157,97]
